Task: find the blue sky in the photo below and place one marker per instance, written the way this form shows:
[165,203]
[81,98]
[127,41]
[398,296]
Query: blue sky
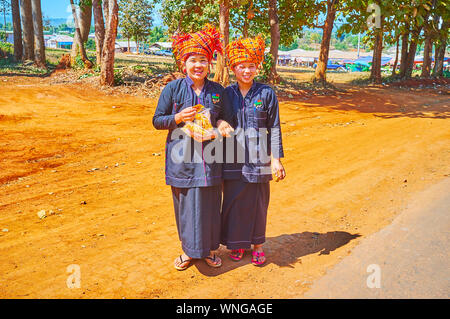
[61,9]
[56,8]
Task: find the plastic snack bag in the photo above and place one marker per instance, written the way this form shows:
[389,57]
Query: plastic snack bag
[200,129]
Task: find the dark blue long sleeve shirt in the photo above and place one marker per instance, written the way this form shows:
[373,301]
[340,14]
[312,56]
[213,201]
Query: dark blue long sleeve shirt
[256,118]
[193,170]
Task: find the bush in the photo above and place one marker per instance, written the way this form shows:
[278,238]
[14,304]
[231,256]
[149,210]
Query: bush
[7,47]
[266,67]
[118,76]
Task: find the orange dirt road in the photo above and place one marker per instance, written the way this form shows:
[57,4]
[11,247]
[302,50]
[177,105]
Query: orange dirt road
[353,161]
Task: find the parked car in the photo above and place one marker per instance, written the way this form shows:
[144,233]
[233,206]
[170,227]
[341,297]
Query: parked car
[334,66]
[164,52]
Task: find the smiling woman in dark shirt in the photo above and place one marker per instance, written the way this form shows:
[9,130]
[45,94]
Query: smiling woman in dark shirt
[246,192]
[196,185]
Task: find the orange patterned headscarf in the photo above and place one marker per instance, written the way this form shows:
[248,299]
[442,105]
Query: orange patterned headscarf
[245,50]
[204,42]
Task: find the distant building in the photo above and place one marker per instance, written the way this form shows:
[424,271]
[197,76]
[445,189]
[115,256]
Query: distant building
[122,46]
[59,41]
[10,37]
[161,46]
[50,40]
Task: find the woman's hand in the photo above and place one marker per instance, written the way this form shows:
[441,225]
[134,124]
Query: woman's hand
[278,169]
[187,114]
[224,128]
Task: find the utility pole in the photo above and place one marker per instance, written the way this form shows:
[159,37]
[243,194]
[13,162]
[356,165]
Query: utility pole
[359,41]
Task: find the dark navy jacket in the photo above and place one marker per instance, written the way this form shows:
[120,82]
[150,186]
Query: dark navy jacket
[175,96]
[257,113]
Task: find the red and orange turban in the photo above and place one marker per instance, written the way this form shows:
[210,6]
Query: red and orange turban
[245,50]
[204,42]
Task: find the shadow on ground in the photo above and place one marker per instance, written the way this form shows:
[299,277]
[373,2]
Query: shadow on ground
[284,250]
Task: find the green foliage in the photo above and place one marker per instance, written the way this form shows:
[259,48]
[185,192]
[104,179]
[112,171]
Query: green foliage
[90,44]
[79,64]
[189,15]
[118,76]
[3,36]
[135,18]
[266,68]
[157,34]
[7,47]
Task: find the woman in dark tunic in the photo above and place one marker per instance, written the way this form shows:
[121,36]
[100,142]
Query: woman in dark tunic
[196,184]
[246,188]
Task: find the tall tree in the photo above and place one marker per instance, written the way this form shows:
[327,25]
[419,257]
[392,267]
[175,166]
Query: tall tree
[189,15]
[99,29]
[441,46]
[78,47]
[85,19]
[428,34]
[39,52]
[18,47]
[107,67]
[327,27]
[274,40]
[135,19]
[26,14]
[221,74]
[6,9]
[442,18]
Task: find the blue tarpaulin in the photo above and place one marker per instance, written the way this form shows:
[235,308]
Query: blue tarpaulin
[365,60]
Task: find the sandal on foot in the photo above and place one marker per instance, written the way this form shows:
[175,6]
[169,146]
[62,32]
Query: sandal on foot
[237,254]
[256,259]
[186,262]
[213,261]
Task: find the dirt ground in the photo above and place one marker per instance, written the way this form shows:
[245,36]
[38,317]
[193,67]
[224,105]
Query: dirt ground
[93,161]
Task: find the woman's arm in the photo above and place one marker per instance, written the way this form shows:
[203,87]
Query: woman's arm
[225,116]
[163,118]
[273,125]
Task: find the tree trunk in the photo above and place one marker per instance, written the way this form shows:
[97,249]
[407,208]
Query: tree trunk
[18,47]
[426,66]
[222,75]
[440,50]
[404,58]
[78,45]
[320,74]
[105,4]
[107,70]
[412,52]
[99,30]
[85,21]
[39,52]
[27,29]
[274,41]
[245,28]
[375,74]
[396,56]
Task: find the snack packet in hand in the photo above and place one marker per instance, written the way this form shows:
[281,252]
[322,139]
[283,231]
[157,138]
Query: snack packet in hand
[200,129]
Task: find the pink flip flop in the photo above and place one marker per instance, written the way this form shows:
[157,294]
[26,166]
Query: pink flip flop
[256,258]
[237,254]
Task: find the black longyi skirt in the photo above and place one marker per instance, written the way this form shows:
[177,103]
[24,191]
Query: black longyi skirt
[244,213]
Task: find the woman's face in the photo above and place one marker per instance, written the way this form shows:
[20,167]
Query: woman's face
[245,72]
[196,67]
